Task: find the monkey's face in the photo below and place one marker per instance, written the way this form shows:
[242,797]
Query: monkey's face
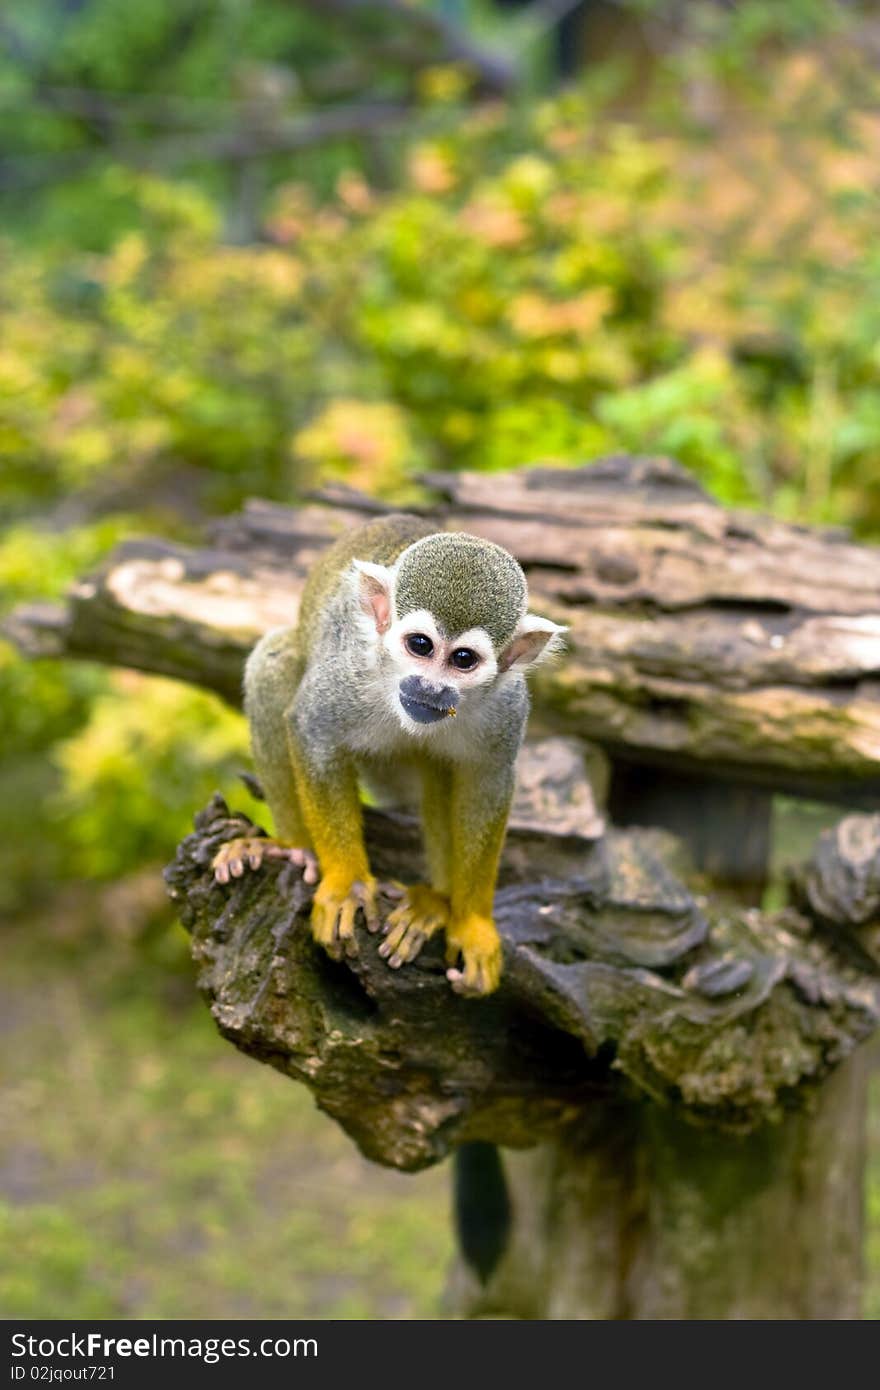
[435,673]
[432,670]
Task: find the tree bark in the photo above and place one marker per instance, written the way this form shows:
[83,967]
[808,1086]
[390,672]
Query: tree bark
[663,1050]
[726,827]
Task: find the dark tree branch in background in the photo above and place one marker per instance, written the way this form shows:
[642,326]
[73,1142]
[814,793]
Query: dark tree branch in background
[233,146]
[125,108]
[272,137]
[444,41]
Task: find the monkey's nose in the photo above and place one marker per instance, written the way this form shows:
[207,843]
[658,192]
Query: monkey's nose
[426,703]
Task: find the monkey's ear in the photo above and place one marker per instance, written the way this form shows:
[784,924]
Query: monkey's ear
[535,638]
[375,589]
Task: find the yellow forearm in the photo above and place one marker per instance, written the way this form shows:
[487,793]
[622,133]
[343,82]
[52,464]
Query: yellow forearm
[332,810]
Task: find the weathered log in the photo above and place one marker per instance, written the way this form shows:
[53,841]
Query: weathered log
[699,638]
[613,969]
[621,985]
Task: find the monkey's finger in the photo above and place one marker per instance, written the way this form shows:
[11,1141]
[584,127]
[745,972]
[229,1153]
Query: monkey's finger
[226,859]
[303,859]
[394,937]
[345,920]
[463,984]
[367,900]
[398,920]
[236,868]
[457,979]
[323,923]
[390,944]
[467,980]
[480,976]
[333,946]
[409,948]
[255,858]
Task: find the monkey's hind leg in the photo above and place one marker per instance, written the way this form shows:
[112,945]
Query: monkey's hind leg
[271,677]
[424,910]
[328,793]
[291,840]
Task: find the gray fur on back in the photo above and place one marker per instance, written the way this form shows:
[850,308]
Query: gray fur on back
[465,582]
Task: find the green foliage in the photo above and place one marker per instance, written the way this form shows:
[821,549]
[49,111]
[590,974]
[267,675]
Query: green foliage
[41,702]
[151,752]
[602,288]
[80,79]
[170,349]
[39,562]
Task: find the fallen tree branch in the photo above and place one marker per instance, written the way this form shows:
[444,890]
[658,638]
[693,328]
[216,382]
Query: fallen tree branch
[698,638]
[616,975]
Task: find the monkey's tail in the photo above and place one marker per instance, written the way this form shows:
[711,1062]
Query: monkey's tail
[481,1203]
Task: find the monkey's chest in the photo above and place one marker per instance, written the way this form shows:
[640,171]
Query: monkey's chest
[390,782]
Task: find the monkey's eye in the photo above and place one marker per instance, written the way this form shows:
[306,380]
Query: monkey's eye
[463,659]
[417,644]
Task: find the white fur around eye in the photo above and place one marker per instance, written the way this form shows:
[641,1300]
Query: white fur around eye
[420,621]
[479,642]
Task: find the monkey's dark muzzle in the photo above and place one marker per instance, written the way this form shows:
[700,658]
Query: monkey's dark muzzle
[424,703]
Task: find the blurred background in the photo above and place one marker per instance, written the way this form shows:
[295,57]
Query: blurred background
[251,245]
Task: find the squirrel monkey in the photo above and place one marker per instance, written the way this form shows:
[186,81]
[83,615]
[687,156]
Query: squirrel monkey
[405,674]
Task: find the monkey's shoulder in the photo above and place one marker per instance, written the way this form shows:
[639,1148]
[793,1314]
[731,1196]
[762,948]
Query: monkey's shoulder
[380,541]
[273,667]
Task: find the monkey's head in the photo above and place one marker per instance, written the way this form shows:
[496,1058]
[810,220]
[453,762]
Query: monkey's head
[449,617]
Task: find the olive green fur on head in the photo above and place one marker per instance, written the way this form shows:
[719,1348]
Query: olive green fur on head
[380,542]
[465,582]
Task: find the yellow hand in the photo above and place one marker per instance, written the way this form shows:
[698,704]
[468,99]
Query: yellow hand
[421,913]
[474,938]
[334,911]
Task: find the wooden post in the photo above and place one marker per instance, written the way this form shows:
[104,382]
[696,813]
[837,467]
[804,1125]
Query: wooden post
[726,825]
[634,1213]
